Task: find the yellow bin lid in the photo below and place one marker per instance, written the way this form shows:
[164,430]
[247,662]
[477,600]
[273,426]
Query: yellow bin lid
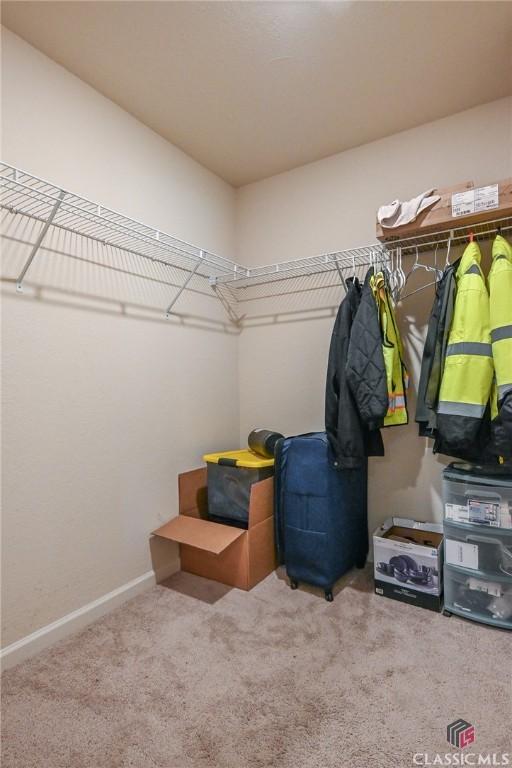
[243,458]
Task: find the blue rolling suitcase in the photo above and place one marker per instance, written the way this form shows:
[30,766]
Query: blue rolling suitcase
[320,513]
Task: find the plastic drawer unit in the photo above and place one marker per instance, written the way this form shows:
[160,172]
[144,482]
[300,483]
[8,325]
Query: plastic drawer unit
[478,495]
[230,477]
[478,544]
[487,599]
[478,548]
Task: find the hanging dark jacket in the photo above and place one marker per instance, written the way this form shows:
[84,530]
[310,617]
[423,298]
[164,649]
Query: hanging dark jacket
[351,441]
[365,369]
[500,316]
[432,363]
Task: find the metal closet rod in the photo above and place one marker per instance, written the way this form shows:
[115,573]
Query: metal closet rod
[485,228]
[53,206]
[366,255]
[362,256]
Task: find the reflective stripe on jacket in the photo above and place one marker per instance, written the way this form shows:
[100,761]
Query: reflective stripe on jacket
[396,373]
[468,370]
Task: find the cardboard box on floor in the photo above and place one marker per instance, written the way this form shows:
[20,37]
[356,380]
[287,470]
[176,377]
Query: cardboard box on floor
[234,556]
[416,549]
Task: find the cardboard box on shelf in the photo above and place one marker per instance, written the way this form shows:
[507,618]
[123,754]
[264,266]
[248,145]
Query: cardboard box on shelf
[234,556]
[460,206]
[408,563]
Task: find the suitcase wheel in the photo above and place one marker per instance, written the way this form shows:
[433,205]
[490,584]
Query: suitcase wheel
[360,563]
[329,596]
[446,613]
[294,584]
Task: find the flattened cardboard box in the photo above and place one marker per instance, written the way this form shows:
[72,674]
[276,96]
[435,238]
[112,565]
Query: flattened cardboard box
[236,557]
[417,547]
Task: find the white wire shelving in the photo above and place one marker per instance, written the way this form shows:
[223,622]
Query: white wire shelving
[23,194]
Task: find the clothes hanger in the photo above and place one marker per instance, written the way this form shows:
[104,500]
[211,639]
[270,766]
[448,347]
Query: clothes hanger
[439,273]
[438,270]
[418,290]
[397,275]
[447,262]
[402,277]
[418,265]
[393,277]
[353,277]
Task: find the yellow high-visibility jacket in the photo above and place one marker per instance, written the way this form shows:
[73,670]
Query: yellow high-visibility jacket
[500,291]
[468,370]
[396,372]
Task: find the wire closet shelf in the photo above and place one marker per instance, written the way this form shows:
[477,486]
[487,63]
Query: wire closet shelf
[24,194]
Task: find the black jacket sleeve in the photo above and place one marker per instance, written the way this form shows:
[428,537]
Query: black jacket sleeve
[366,371]
[342,423]
[350,440]
[332,385]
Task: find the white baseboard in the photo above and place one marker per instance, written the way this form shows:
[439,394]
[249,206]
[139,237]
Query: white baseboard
[77,620]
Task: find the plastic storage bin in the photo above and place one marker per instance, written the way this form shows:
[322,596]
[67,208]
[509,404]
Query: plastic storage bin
[488,550]
[478,543]
[484,599]
[230,475]
[478,495]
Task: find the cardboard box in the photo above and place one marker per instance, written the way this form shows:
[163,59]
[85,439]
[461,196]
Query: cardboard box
[234,556]
[408,562]
[440,216]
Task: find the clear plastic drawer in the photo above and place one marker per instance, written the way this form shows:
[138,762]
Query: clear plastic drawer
[475,548]
[478,503]
[486,600]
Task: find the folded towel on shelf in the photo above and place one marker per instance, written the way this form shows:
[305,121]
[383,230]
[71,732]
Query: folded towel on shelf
[396,214]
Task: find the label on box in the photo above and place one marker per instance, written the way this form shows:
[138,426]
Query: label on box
[485,512]
[475,200]
[463,203]
[489,587]
[461,553]
[486,198]
[479,511]
[458,512]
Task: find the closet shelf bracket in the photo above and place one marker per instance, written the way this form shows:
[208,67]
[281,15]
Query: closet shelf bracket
[46,226]
[182,288]
[218,289]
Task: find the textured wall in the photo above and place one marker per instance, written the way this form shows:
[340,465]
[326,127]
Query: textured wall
[328,206]
[105,401]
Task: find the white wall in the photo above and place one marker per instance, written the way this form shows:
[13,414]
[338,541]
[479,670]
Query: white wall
[327,206]
[101,409]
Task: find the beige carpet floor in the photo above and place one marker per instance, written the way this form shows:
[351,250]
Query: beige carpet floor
[194,675]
